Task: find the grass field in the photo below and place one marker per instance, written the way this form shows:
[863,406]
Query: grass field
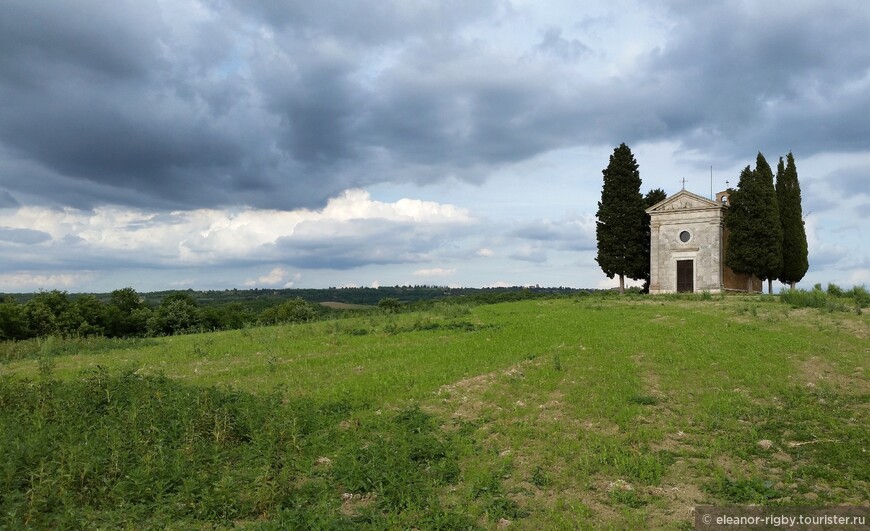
[582,412]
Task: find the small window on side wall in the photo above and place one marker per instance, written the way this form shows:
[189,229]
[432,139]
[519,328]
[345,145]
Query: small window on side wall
[685,236]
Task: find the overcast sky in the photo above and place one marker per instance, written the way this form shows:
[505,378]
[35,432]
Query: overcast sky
[216,144]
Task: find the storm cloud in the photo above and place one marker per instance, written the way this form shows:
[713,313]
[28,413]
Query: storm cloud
[23,236]
[191,104]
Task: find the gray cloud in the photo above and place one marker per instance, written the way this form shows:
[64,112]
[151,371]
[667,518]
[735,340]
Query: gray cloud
[355,243]
[828,193]
[369,23]
[283,105]
[739,77]
[23,236]
[553,43]
[7,201]
[535,255]
[851,181]
[566,235]
[87,39]
[816,199]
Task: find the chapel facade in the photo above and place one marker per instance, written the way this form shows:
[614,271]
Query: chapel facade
[687,247]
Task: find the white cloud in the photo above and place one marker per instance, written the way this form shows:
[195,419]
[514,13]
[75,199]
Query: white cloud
[434,272]
[530,253]
[485,252]
[274,277]
[860,277]
[357,204]
[611,283]
[210,236]
[822,251]
[26,280]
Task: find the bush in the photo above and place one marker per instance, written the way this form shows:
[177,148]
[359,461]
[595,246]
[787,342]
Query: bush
[177,314]
[799,298]
[295,310]
[816,298]
[389,304]
[860,295]
[12,324]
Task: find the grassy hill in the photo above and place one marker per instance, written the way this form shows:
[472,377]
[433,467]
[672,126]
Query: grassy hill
[592,411]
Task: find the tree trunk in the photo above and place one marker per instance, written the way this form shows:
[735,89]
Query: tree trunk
[748,283]
[792,283]
[770,286]
[621,284]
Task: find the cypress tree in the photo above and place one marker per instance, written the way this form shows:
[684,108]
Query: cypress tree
[794,236]
[738,221]
[622,241]
[755,233]
[769,236]
[651,198]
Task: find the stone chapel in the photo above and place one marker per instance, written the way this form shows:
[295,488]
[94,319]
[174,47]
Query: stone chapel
[687,246]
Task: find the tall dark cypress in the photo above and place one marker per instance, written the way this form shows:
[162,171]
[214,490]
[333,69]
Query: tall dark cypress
[738,220]
[769,235]
[794,237]
[620,227]
[652,197]
[755,233]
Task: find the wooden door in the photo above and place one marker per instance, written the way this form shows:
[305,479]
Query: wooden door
[685,276]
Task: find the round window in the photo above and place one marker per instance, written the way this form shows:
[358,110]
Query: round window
[685,236]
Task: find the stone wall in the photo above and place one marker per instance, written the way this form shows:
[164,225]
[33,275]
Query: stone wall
[704,248]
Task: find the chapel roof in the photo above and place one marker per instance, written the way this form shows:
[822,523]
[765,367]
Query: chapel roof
[684,200]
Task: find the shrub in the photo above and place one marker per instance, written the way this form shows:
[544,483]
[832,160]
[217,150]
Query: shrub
[12,324]
[860,295]
[798,298]
[295,310]
[389,304]
[815,298]
[177,314]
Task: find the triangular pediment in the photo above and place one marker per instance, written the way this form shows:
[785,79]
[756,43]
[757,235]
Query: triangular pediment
[683,200]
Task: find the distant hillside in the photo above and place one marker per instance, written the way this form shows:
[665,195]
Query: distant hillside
[264,298]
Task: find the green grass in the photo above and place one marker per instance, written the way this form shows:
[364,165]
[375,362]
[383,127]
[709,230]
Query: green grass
[584,412]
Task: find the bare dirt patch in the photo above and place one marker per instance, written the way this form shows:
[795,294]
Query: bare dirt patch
[817,371]
[464,398]
[353,504]
[679,500]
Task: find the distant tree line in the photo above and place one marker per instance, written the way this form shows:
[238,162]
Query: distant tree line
[127,313]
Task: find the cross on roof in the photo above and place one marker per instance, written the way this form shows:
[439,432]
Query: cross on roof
[684,183]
